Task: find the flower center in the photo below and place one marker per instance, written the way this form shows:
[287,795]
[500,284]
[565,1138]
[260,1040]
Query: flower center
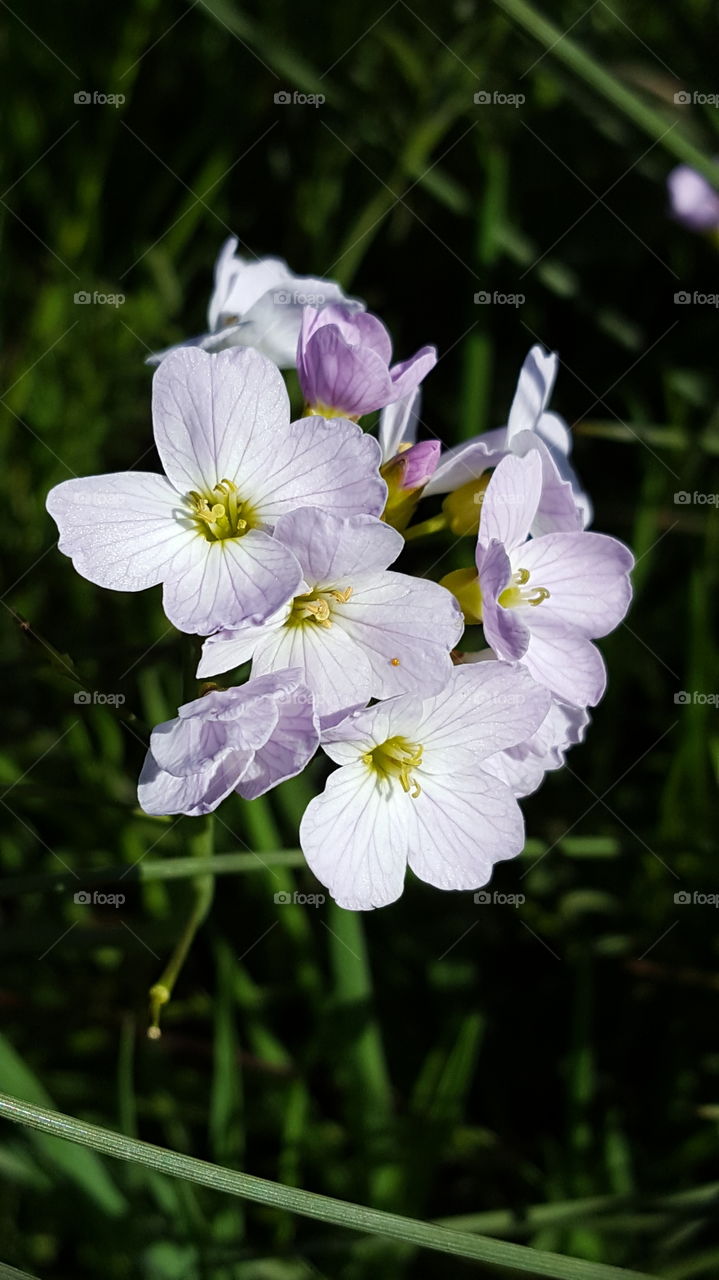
[322,410]
[520,593]
[221,513]
[316,607]
[396,758]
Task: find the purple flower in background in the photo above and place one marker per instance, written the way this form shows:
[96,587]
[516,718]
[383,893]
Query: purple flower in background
[234,464]
[259,304]
[246,739]
[412,789]
[343,363]
[693,200]
[542,600]
[355,629]
[461,473]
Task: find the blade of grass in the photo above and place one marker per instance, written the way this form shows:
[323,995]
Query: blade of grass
[341,1213]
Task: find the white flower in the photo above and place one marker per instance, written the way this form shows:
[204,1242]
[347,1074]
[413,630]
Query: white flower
[259,304]
[234,464]
[412,790]
[356,630]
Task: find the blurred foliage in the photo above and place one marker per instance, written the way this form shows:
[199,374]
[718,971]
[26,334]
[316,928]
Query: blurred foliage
[437,1058]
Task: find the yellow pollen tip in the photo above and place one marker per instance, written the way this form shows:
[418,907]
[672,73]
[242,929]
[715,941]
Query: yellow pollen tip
[394,662]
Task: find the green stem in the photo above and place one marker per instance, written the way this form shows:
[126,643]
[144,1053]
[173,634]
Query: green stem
[201,844]
[435,524]
[341,1213]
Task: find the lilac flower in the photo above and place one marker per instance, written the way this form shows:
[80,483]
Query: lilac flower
[412,789]
[246,739]
[259,304]
[462,471]
[523,767]
[355,630]
[343,363]
[234,465]
[543,600]
[693,200]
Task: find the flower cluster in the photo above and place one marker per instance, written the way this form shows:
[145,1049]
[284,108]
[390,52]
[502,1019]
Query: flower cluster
[275,538]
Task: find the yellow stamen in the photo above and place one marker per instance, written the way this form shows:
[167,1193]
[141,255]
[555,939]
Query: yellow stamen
[316,606]
[520,594]
[396,758]
[220,514]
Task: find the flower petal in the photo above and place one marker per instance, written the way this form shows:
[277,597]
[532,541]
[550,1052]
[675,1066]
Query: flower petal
[460,826]
[121,531]
[504,629]
[587,576]
[352,378]
[486,707]
[511,500]
[316,462]
[331,549]
[558,510]
[467,461]
[354,837]
[565,662]
[398,423]
[534,387]
[217,585]
[333,666]
[208,410]
[293,740]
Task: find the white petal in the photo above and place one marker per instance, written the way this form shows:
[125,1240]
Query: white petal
[534,388]
[121,531]
[217,585]
[486,707]
[354,837]
[336,670]
[586,575]
[463,824]
[209,411]
[511,500]
[364,730]
[406,626]
[398,423]
[228,649]
[562,659]
[467,461]
[331,548]
[316,462]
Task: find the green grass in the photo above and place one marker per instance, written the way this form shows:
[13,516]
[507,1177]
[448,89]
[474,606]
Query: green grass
[541,1080]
